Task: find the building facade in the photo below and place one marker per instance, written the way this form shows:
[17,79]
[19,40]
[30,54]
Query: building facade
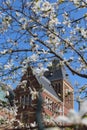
[57,94]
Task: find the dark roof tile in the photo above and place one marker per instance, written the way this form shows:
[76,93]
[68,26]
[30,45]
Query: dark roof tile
[46,84]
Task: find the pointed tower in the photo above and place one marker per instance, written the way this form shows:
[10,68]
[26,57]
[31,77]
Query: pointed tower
[61,84]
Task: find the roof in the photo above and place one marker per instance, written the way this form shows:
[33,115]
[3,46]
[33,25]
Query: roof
[56,72]
[46,84]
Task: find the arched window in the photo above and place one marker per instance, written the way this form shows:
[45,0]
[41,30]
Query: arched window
[22,101]
[27,100]
[28,83]
[59,88]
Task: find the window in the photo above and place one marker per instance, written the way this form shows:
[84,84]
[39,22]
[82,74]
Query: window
[30,99]
[25,118]
[57,88]
[46,100]
[48,103]
[28,83]
[22,100]
[53,107]
[26,99]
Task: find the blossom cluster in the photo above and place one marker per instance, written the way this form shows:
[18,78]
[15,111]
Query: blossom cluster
[73,117]
[41,29]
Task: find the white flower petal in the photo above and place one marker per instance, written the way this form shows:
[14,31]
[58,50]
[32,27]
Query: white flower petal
[74,117]
[83,108]
[52,128]
[84,121]
[63,119]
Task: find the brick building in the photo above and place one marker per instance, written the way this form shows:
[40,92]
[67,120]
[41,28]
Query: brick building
[57,94]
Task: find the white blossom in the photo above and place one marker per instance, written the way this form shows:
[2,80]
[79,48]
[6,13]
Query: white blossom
[23,19]
[18,14]
[33,124]
[8,66]
[7,21]
[37,6]
[76,2]
[74,117]
[33,93]
[84,32]
[1,117]
[39,71]
[49,64]
[53,39]
[52,128]
[67,22]
[53,21]
[44,51]
[34,57]
[4,52]
[46,6]
[8,2]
